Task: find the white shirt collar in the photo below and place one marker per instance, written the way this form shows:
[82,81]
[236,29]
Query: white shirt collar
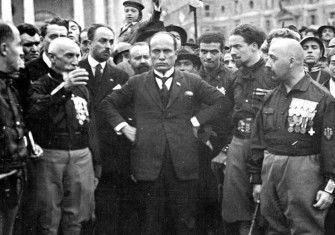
[332,87]
[168,81]
[93,63]
[46,59]
[167,73]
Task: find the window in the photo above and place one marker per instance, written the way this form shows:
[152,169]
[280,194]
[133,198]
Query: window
[313,21]
[251,4]
[207,13]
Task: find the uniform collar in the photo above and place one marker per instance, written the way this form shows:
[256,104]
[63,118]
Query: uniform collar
[213,75]
[302,85]
[314,68]
[249,72]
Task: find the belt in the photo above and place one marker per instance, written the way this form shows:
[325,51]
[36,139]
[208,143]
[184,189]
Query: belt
[64,141]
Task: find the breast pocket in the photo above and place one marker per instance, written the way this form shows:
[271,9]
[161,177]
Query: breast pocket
[268,118]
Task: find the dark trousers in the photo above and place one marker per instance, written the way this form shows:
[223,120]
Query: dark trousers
[169,203]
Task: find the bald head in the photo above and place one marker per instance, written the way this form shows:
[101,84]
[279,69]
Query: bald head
[64,54]
[285,59]
[59,45]
[289,48]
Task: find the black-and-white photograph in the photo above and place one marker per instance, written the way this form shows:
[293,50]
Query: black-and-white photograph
[167,117]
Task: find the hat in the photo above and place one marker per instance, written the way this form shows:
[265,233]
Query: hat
[315,39]
[186,53]
[134,3]
[119,48]
[324,27]
[146,31]
[180,30]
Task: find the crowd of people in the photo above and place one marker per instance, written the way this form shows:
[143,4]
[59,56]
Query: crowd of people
[145,131]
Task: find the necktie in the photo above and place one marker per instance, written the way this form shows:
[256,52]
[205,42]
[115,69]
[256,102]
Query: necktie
[164,92]
[98,73]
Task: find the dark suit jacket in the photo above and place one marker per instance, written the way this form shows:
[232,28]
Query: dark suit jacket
[111,77]
[159,126]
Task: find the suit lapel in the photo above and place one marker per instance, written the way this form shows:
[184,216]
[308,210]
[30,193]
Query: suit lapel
[152,88]
[177,82]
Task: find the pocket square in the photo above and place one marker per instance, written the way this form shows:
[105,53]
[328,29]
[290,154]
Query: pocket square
[112,80]
[117,87]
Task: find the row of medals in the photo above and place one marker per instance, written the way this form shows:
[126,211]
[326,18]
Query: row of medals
[299,118]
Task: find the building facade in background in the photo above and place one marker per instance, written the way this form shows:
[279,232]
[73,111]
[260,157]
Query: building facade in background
[224,15]
[216,15]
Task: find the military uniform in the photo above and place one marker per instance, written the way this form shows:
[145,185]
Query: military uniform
[13,154]
[293,151]
[65,176]
[250,86]
[318,74]
[214,136]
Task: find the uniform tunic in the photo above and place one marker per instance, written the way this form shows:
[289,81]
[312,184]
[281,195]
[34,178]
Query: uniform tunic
[297,159]
[250,86]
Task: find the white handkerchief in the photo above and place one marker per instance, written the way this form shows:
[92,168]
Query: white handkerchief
[117,87]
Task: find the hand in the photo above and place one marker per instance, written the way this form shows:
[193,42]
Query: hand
[96,182]
[132,177]
[219,161]
[38,152]
[76,77]
[129,132]
[256,192]
[195,131]
[323,200]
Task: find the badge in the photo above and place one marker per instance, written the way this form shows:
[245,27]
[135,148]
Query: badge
[178,83]
[311,131]
[328,133]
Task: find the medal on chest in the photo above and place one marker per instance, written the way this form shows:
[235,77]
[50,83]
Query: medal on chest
[300,116]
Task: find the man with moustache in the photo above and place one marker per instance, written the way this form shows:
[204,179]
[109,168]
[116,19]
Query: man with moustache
[287,150]
[140,59]
[164,157]
[30,37]
[103,80]
[251,83]
[64,175]
[313,52]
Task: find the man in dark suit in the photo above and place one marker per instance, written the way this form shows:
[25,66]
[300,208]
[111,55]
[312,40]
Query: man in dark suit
[164,160]
[103,80]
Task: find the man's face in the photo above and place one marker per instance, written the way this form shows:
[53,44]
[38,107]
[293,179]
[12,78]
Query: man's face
[53,31]
[101,46]
[229,62]
[31,46]
[140,59]
[332,67]
[74,31]
[131,13]
[278,63]
[162,52]
[327,34]
[15,54]
[312,52]
[241,51]
[186,65]
[84,44]
[210,55]
[66,59]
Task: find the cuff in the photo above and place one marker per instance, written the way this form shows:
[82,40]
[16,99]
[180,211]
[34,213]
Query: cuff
[329,186]
[255,179]
[195,122]
[119,127]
